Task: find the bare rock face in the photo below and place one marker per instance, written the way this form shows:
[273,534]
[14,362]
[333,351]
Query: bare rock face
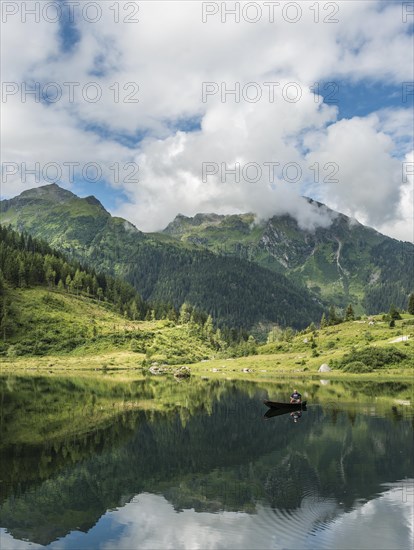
[324,368]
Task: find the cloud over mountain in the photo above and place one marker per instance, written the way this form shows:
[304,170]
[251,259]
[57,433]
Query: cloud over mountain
[163,61]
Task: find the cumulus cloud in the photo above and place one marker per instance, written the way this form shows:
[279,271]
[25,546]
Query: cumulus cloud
[249,164]
[170,132]
[402,225]
[369,177]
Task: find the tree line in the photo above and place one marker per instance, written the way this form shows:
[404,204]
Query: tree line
[26,262]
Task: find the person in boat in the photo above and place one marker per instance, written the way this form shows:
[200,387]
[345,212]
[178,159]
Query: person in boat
[296,397]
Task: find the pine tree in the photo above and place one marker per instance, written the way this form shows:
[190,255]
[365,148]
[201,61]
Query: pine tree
[251,345]
[332,317]
[133,310]
[324,322]
[78,281]
[349,314]
[209,327]
[68,282]
[185,314]
[50,276]
[394,313]
[410,307]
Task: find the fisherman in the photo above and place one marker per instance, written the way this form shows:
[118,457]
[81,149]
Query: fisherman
[296,397]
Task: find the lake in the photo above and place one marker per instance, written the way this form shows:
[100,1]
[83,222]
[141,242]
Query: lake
[116,461]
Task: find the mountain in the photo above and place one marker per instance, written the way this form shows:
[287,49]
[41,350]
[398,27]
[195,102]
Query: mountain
[236,292]
[343,263]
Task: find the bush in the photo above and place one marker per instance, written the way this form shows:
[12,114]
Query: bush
[12,352]
[376,358]
[357,367]
[137,346]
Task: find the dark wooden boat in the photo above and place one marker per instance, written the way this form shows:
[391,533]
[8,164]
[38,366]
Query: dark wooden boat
[285,406]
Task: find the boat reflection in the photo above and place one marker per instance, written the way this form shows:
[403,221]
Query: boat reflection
[295,414]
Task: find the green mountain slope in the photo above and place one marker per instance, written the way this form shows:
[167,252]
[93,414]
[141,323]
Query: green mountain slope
[233,290]
[52,306]
[60,324]
[346,262]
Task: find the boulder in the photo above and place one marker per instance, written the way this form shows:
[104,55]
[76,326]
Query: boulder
[155,370]
[324,368]
[182,372]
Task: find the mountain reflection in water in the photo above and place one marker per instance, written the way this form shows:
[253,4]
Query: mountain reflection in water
[208,471]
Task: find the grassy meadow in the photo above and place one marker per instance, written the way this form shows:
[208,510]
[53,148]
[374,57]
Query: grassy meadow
[58,332]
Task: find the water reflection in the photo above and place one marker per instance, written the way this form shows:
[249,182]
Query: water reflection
[205,469]
[294,415]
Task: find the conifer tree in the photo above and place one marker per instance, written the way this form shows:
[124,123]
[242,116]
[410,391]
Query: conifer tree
[185,314]
[332,315]
[209,327]
[410,307]
[349,314]
[394,313]
[68,282]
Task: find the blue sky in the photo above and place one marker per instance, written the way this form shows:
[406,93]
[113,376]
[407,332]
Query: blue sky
[366,96]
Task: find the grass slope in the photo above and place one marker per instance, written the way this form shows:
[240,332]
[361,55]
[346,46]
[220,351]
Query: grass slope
[53,323]
[65,332]
[332,344]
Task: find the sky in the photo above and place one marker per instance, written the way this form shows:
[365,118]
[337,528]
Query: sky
[160,108]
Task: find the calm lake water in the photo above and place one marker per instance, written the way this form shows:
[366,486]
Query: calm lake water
[90,463]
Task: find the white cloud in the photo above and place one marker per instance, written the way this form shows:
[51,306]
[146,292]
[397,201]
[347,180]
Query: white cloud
[369,177]
[8,542]
[171,170]
[169,54]
[402,225]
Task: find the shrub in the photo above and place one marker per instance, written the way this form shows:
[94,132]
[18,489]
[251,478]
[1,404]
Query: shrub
[376,358]
[357,367]
[12,352]
[137,346]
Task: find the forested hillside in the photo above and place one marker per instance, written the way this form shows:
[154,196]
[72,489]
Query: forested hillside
[26,262]
[236,292]
[50,304]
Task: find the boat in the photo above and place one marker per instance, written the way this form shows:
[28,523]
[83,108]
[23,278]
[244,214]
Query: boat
[288,406]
